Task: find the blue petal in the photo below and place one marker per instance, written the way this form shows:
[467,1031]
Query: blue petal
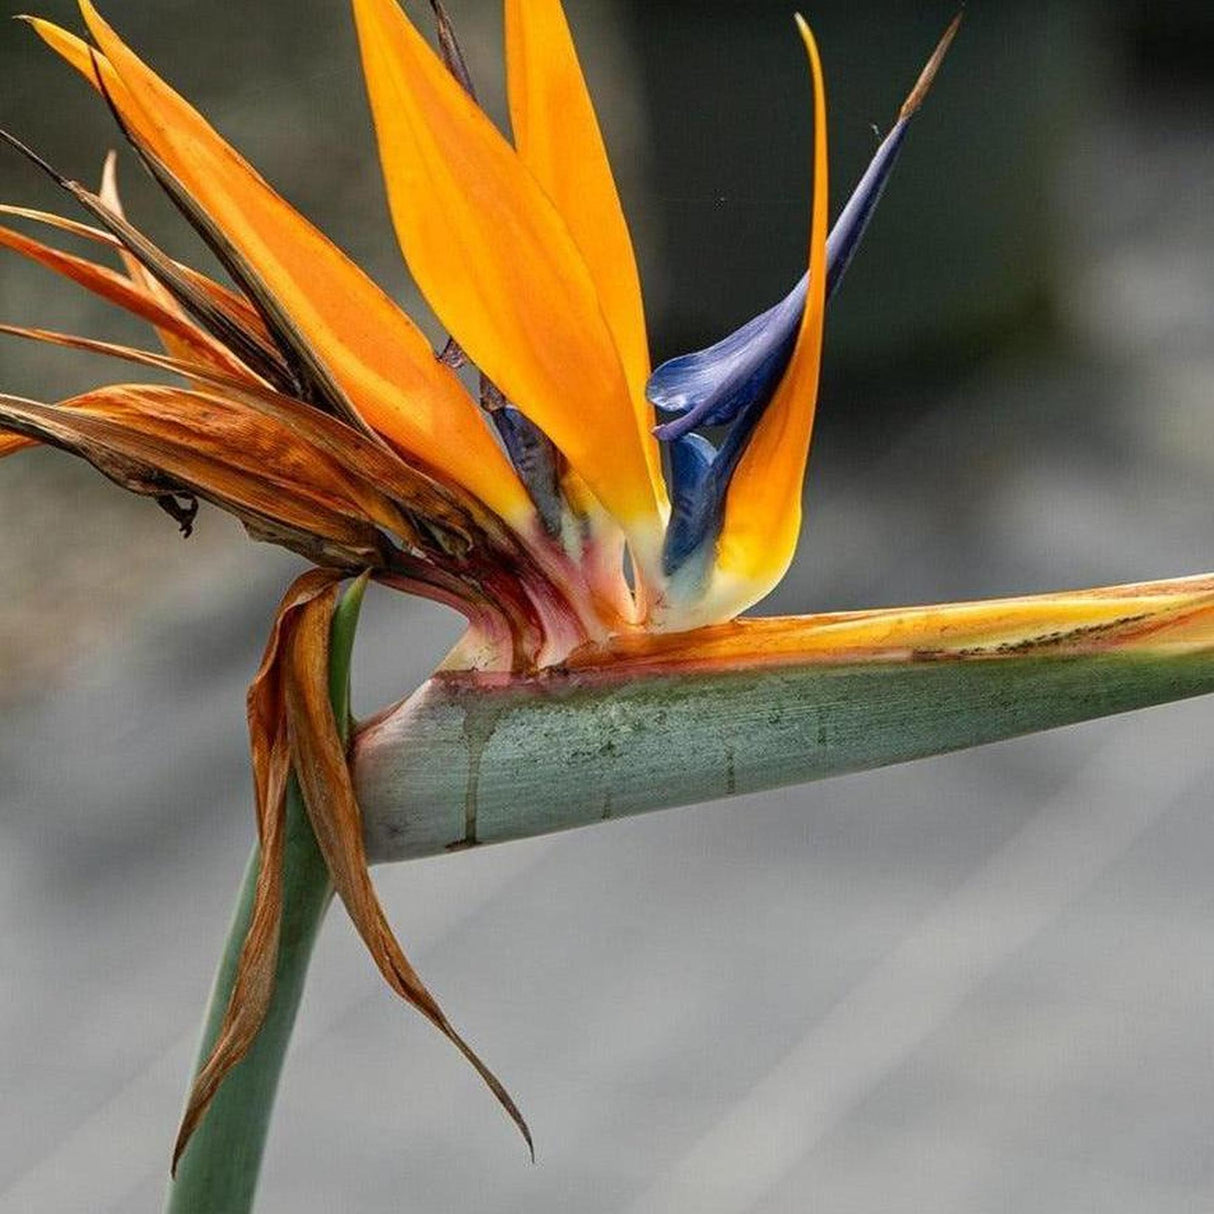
[691,463]
[729,384]
[851,225]
[698,500]
[712,386]
[535,460]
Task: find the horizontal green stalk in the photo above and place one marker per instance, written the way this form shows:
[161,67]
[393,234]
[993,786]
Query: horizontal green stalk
[478,759]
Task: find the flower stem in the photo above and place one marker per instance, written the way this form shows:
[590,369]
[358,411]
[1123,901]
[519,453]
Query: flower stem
[220,1166]
[219,1169]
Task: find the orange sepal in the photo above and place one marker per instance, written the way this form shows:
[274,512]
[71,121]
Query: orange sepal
[222,296]
[498,265]
[379,357]
[118,289]
[762,516]
[557,136]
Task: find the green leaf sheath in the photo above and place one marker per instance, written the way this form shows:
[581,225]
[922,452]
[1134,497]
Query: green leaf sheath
[218,1172]
[479,759]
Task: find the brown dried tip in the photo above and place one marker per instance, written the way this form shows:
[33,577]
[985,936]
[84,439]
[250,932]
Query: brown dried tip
[928,75]
[451,52]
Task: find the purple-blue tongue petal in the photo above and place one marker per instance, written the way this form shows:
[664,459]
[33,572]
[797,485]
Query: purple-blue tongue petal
[531,452]
[729,384]
[712,386]
[692,507]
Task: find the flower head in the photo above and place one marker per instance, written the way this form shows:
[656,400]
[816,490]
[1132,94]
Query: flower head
[571,507]
[315,410]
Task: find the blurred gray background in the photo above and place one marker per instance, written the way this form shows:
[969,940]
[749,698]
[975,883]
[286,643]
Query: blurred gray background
[983,983]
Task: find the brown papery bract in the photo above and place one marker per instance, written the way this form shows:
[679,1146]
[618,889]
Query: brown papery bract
[253,989]
[158,441]
[328,791]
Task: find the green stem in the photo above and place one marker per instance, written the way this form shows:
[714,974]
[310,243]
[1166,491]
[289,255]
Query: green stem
[220,1166]
[219,1169]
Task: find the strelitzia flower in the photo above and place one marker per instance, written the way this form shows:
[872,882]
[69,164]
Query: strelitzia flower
[601,547]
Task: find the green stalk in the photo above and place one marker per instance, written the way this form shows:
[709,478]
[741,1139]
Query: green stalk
[218,1172]
[482,759]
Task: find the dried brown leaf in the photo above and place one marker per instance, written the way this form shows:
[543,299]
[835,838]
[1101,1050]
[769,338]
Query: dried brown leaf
[446,515]
[320,763]
[254,984]
[156,438]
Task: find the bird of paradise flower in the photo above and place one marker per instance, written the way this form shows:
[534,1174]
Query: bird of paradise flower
[603,561]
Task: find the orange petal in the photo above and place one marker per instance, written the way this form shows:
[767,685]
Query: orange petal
[558,138]
[222,296]
[499,267]
[367,343]
[762,516]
